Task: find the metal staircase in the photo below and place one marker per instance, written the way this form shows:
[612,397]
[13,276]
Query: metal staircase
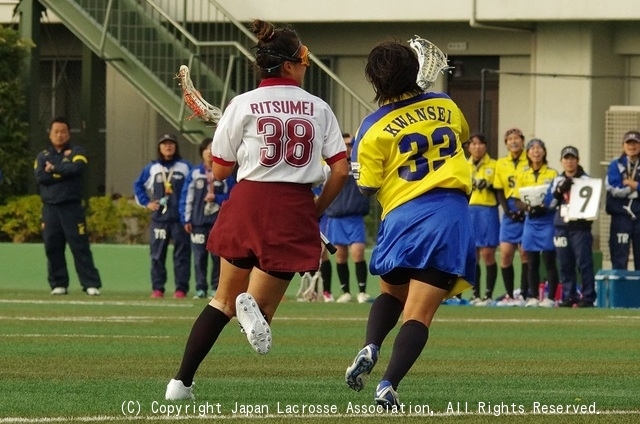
[146,41]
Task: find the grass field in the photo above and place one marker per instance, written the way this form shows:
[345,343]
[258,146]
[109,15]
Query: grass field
[108,359]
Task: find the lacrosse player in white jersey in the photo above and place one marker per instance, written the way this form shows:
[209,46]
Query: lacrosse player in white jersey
[268,229]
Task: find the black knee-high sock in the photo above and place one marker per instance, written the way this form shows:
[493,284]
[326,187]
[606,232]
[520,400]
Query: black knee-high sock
[343,276]
[325,273]
[507,277]
[492,275]
[204,333]
[407,347]
[549,259]
[361,275]
[476,287]
[383,316]
[524,280]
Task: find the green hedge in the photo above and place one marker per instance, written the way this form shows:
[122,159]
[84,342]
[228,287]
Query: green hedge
[109,220]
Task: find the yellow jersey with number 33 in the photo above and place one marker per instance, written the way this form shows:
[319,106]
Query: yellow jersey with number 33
[410,147]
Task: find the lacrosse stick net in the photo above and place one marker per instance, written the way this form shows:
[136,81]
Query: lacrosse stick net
[192,97]
[310,288]
[431,61]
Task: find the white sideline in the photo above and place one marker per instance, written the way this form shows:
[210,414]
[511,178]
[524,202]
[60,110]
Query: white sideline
[242,417]
[152,303]
[86,336]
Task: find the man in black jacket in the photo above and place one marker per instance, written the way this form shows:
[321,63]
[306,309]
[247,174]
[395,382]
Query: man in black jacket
[59,172]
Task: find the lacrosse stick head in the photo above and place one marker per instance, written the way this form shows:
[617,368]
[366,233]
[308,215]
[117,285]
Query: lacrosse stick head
[192,97]
[431,61]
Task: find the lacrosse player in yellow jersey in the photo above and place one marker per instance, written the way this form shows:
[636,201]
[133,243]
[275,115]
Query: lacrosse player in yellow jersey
[409,153]
[538,231]
[483,206]
[507,170]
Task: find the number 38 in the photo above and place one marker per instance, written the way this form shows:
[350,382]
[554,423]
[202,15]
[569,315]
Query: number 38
[443,138]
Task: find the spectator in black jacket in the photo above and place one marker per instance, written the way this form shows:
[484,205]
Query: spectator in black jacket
[573,238]
[347,231]
[59,172]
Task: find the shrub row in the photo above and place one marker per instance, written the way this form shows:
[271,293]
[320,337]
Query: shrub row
[109,220]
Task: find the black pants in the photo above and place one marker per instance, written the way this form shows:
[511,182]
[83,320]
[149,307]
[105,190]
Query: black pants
[161,234]
[199,235]
[65,223]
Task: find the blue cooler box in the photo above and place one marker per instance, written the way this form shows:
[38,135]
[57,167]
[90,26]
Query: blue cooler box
[618,289]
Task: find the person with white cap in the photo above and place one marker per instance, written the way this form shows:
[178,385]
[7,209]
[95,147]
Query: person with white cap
[622,184]
[158,188]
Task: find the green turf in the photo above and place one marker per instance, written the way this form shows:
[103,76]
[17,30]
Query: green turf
[80,359]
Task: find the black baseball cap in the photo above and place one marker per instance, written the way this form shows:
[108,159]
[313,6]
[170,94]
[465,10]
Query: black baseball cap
[168,137]
[569,151]
[631,136]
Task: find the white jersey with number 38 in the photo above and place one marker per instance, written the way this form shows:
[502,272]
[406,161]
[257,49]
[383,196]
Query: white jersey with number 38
[277,133]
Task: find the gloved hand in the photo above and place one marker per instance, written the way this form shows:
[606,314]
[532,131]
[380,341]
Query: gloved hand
[537,211]
[562,188]
[481,184]
[517,216]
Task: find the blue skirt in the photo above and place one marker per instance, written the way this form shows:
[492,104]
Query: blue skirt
[538,233]
[433,230]
[510,230]
[346,230]
[486,225]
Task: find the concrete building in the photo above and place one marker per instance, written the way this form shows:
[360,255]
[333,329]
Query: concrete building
[550,67]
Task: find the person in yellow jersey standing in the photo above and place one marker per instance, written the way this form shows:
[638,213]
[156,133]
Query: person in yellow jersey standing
[538,231]
[512,224]
[483,206]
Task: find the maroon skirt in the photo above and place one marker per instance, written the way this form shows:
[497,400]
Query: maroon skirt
[276,223]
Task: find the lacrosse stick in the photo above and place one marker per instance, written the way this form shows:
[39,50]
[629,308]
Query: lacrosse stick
[194,100]
[431,61]
[310,288]
[327,244]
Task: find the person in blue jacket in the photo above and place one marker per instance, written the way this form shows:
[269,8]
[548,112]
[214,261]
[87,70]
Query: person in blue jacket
[158,188]
[622,183]
[346,229]
[200,202]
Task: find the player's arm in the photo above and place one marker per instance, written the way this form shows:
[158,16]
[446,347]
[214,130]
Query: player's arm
[614,182]
[333,184]
[74,166]
[42,176]
[221,168]
[139,189]
[502,200]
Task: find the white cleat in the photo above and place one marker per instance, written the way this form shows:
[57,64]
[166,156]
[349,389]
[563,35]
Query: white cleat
[92,291]
[344,298]
[253,323]
[363,297]
[176,390]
